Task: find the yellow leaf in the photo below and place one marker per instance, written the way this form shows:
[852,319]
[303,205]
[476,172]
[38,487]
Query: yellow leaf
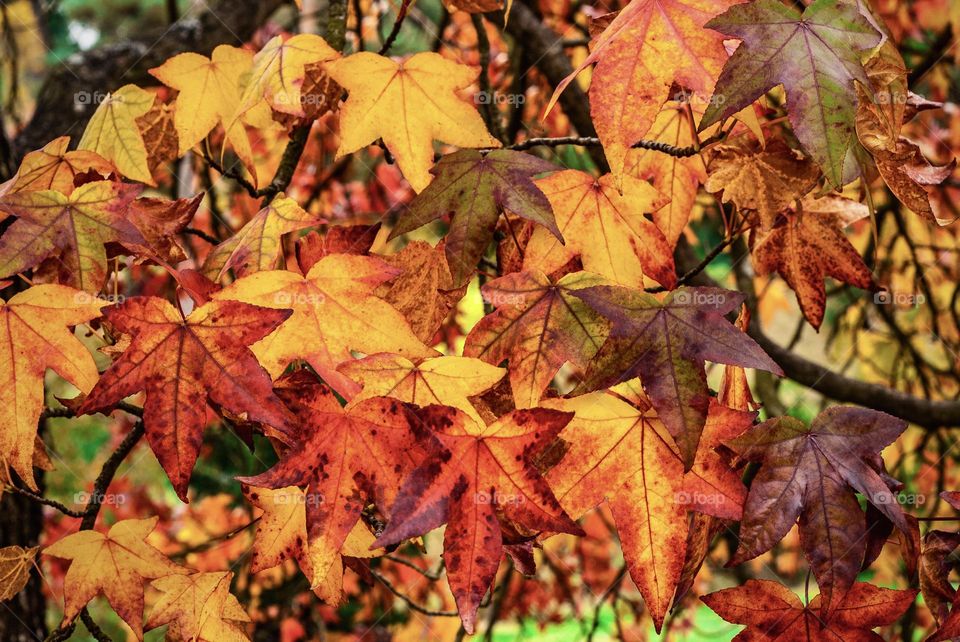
[113,132]
[279,71]
[53,167]
[258,245]
[447,381]
[408,104]
[113,565]
[334,312]
[606,229]
[35,335]
[198,608]
[15,563]
[209,95]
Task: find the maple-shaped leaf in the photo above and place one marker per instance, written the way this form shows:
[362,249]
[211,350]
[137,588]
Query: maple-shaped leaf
[259,243]
[474,188]
[808,245]
[771,611]
[15,565]
[159,220]
[334,311]
[810,473]
[279,70]
[113,132]
[935,565]
[676,179]
[282,534]
[606,229]
[447,381]
[408,104]
[159,134]
[711,486]
[424,291]
[949,629]
[183,365]
[765,179]
[338,239]
[815,56]
[35,334]
[646,48]
[346,458]
[624,456]
[56,168]
[72,228]
[480,475]
[198,608]
[113,565]
[881,112]
[538,326]
[665,343]
[209,94]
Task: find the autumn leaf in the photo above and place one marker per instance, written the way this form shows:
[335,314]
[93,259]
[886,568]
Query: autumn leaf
[159,220]
[764,179]
[113,132]
[474,188]
[279,71]
[808,245]
[815,56]
[538,325]
[36,335]
[282,534]
[183,365]
[15,565]
[259,243]
[624,456]
[666,343]
[72,228]
[159,134]
[676,179]
[346,458]
[198,608]
[448,381]
[881,112]
[481,475]
[53,167]
[607,230]
[334,311]
[771,611]
[423,292]
[809,473]
[209,94]
[408,104]
[646,48]
[113,565]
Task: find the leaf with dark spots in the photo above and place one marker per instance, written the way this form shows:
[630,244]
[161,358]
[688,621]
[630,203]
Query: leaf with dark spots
[538,326]
[810,473]
[815,56]
[665,343]
[184,366]
[481,472]
[475,188]
[771,611]
[345,458]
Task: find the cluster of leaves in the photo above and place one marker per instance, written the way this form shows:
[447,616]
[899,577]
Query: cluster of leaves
[584,382]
